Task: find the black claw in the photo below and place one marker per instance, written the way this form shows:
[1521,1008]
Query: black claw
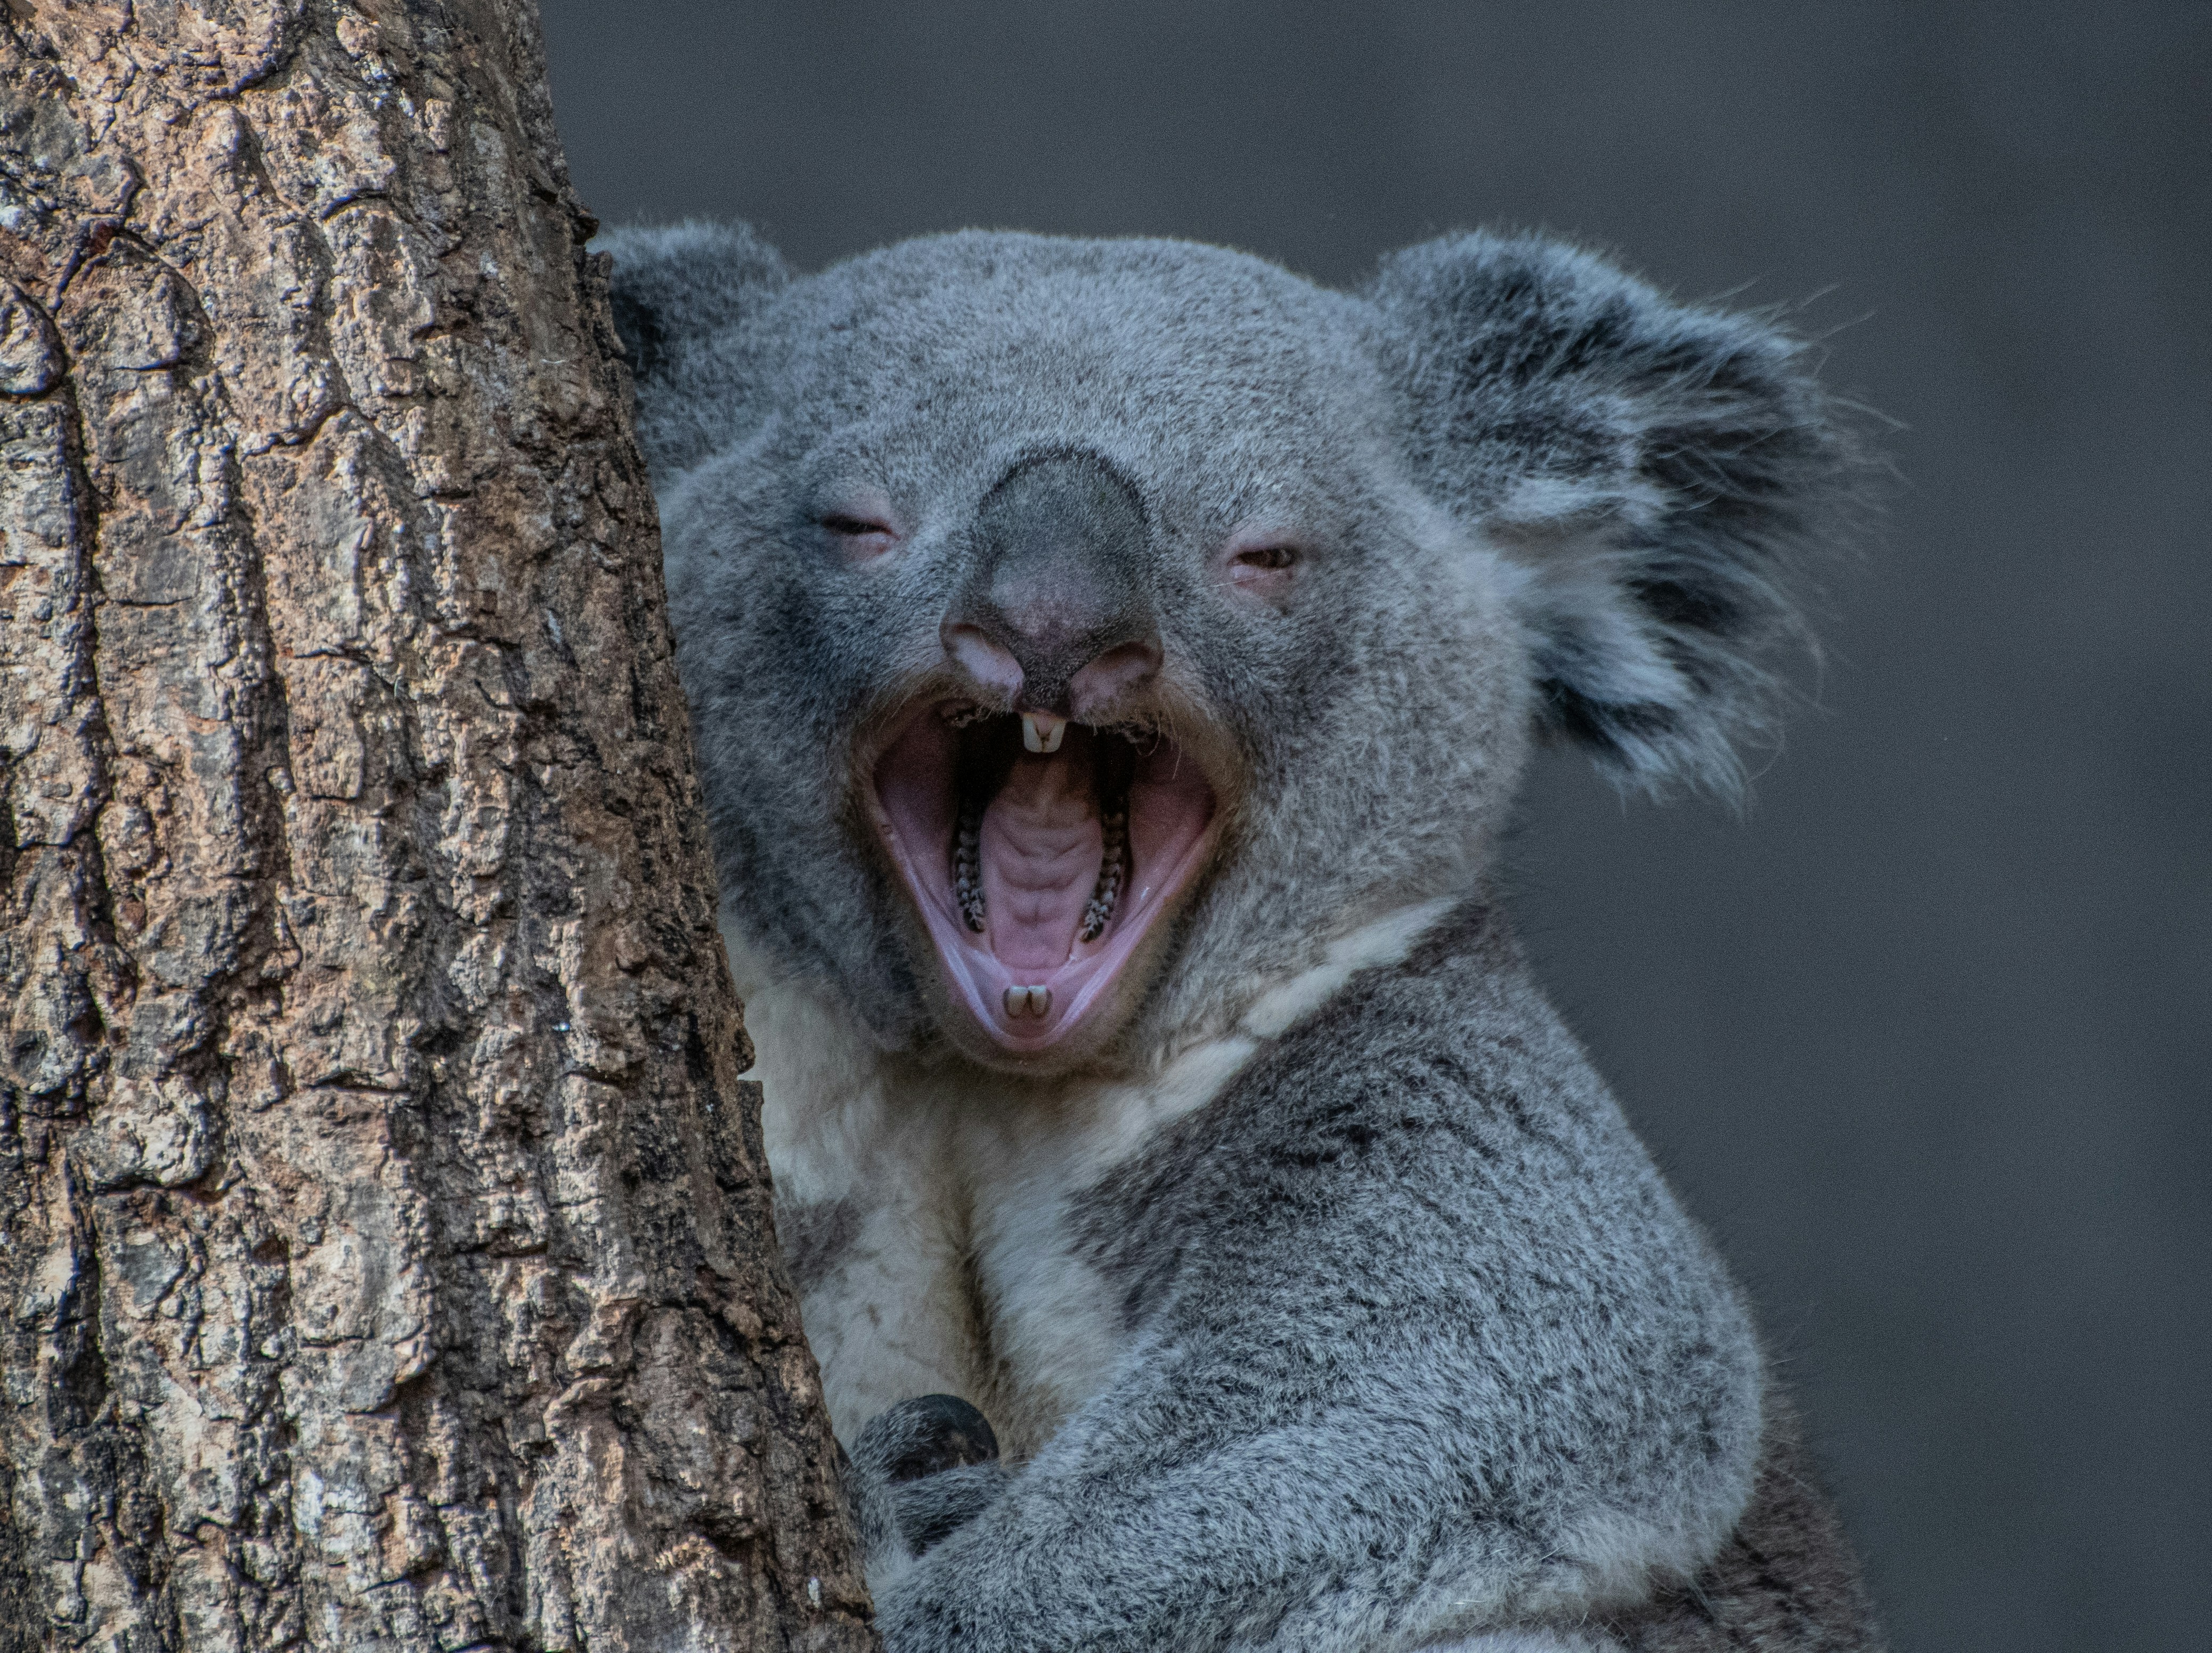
[933,1432]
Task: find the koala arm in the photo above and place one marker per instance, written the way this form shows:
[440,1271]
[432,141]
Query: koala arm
[1147,1524]
[1420,1345]
[917,1474]
[1786,1578]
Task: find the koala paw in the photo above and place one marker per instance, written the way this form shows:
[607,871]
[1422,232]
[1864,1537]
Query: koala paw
[918,1474]
[923,1436]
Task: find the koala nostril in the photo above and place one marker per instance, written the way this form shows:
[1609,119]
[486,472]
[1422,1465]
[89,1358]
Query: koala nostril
[988,664]
[1120,669]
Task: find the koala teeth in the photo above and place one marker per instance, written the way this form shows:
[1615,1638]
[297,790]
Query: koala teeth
[1042,731]
[1107,893]
[1027,1001]
[967,873]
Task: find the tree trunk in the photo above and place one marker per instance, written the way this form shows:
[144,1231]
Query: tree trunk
[386,1257]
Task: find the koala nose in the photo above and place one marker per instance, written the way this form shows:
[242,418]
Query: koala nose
[1055,610]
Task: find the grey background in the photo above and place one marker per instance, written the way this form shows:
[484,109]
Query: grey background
[1925,1038]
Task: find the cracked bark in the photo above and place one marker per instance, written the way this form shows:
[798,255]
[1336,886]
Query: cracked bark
[386,1258]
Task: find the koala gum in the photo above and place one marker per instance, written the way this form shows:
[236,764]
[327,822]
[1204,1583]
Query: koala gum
[1037,870]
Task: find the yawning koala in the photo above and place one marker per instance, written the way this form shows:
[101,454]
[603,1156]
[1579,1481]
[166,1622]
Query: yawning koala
[1113,663]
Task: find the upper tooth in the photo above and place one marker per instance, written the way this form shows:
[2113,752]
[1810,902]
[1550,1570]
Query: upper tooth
[1042,731]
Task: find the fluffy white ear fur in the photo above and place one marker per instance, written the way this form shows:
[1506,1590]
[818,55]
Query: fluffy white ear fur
[1613,677]
[1660,472]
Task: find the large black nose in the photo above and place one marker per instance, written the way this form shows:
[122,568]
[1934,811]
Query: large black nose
[1058,585]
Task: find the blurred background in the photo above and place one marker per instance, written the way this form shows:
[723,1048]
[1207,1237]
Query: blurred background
[1926,1037]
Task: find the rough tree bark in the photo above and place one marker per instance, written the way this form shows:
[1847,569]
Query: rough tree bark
[385,1248]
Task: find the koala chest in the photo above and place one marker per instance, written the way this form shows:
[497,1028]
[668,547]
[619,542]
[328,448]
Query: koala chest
[936,1234]
[926,1265]
[935,1219]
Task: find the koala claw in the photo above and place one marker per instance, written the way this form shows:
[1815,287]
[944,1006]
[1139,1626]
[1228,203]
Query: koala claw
[923,1436]
[918,1473]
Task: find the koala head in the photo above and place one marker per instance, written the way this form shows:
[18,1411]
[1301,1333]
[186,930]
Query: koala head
[1080,634]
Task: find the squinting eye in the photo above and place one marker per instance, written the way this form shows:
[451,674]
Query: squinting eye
[864,538]
[1264,570]
[854,527]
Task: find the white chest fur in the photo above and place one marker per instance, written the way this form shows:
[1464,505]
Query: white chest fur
[927,1210]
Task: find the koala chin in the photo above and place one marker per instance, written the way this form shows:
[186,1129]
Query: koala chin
[1111,664]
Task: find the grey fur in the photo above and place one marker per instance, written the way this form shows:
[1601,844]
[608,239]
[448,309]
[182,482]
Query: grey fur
[813,1237]
[1673,466]
[700,284]
[1366,1413]
[933,1463]
[1414,1343]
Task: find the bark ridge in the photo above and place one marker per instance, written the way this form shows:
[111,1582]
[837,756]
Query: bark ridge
[385,1249]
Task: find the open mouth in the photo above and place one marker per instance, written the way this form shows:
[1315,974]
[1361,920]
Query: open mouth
[1040,853]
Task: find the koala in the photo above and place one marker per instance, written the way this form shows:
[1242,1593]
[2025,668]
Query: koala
[1112,664]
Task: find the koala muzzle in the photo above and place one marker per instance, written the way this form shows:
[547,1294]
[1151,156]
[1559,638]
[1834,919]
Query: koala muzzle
[1054,613]
[1039,815]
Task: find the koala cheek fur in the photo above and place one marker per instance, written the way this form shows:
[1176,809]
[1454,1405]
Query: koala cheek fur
[1308,1275]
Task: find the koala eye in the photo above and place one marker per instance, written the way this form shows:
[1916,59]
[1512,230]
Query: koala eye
[1264,571]
[863,538]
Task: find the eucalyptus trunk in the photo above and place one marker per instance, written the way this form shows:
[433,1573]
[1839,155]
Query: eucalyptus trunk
[385,1249]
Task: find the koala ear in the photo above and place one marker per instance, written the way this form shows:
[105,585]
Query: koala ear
[680,293]
[1659,470]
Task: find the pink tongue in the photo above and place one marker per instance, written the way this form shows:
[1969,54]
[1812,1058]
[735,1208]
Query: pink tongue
[1040,848]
